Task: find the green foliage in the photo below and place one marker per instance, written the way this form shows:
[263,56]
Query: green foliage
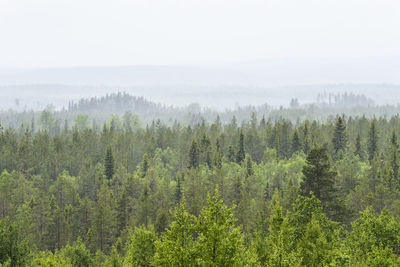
[295,144]
[372,140]
[141,247]
[101,197]
[177,245]
[339,137]
[219,241]
[13,250]
[319,179]
[240,154]
[193,155]
[109,163]
[372,233]
[81,121]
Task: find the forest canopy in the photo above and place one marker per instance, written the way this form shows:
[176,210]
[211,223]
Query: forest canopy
[100,185]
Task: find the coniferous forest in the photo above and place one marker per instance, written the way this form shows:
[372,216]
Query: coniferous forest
[268,189]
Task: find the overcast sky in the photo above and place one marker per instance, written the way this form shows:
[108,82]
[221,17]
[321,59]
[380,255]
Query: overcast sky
[64,33]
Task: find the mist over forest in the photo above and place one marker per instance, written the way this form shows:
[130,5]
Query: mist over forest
[220,87]
[167,133]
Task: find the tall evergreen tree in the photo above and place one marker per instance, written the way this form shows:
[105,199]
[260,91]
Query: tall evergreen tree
[145,164]
[205,150]
[295,144]
[240,154]
[339,137]
[109,163]
[249,166]
[283,141]
[193,155]
[122,211]
[306,139]
[319,178]
[394,164]
[358,151]
[231,153]
[218,154]
[178,190]
[393,140]
[372,140]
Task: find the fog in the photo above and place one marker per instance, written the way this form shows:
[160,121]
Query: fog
[217,53]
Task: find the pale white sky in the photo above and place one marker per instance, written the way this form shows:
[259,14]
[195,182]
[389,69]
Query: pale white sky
[64,33]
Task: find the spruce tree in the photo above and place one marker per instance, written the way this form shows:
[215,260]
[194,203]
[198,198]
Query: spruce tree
[339,137]
[393,139]
[283,141]
[218,155]
[231,154]
[109,163]
[178,190]
[267,193]
[306,139]
[122,211]
[205,150]
[394,163]
[319,179]
[249,166]
[295,144]
[358,151]
[372,140]
[145,164]
[193,155]
[240,155]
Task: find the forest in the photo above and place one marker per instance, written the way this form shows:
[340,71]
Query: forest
[93,185]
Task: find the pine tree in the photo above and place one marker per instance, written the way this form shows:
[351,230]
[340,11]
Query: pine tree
[372,140]
[240,154]
[339,137]
[109,163]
